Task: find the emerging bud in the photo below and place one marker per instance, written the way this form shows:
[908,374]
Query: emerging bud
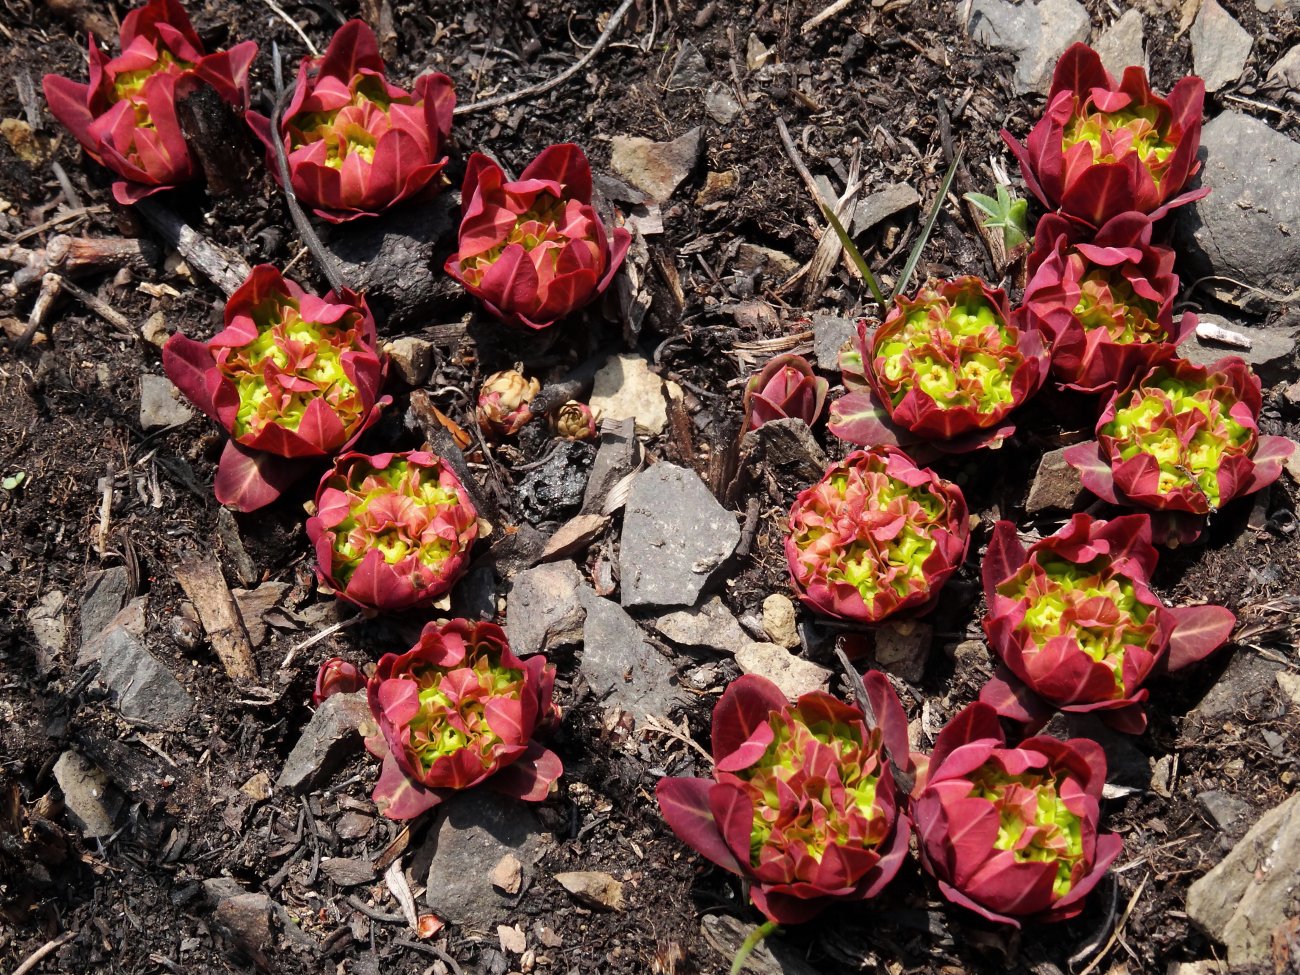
[1077,627]
[575,421]
[946,368]
[456,709]
[874,536]
[503,402]
[336,676]
[1103,148]
[291,376]
[534,250]
[786,387]
[356,144]
[393,531]
[802,803]
[126,117]
[1012,832]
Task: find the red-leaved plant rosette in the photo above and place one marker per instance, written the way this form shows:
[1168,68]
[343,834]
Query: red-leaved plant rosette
[1012,833]
[1104,299]
[456,710]
[291,378]
[875,536]
[534,250]
[1104,148]
[802,804]
[356,144]
[1182,442]
[336,676]
[941,374]
[1077,627]
[125,118]
[392,532]
[785,388]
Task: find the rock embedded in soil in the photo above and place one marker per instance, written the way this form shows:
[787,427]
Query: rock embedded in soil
[411,358]
[1272,347]
[624,670]
[348,871]
[625,388]
[1244,685]
[105,594]
[245,916]
[1056,486]
[1036,32]
[830,335]
[710,625]
[544,610]
[1245,228]
[793,675]
[91,801]
[48,622]
[140,686]
[475,830]
[1122,44]
[878,206]
[1247,896]
[329,738]
[1286,70]
[788,446]
[656,168]
[720,104]
[593,888]
[1220,46]
[616,457]
[902,647]
[690,70]
[161,404]
[131,618]
[780,622]
[1224,809]
[675,538]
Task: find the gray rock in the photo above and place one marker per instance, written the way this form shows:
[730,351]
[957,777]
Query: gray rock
[1249,227]
[675,538]
[476,595]
[615,459]
[411,358]
[1220,46]
[245,917]
[1268,6]
[690,70]
[1056,486]
[626,388]
[829,336]
[1250,894]
[139,684]
[1223,808]
[544,609]
[105,594]
[902,648]
[131,618]
[1244,686]
[474,831]
[720,104]
[624,671]
[711,625]
[1286,70]
[881,205]
[779,621]
[348,871]
[330,736]
[789,446]
[656,168]
[91,801]
[793,675]
[1272,347]
[777,264]
[1036,32]
[48,621]
[161,404]
[1122,44]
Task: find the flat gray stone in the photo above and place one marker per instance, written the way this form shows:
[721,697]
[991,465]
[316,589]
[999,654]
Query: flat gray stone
[625,672]
[656,168]
[1122,44]
[161,403]
[881,205]
[132,618]
[711,625]
[48,622]
[1256,887]
[1056,486]
[1224,809]
[1036,32]
[474,831]
[1249,227]
[348,871]
[91,801]
[789,446]
[330,736]
[690,70]
[544,609]
[616,457]
[104,595]
[139,684]
[1244,686]
[830,335]
[720,104]
[675,538]
[1286,70]
[1272,347]
[1220,46]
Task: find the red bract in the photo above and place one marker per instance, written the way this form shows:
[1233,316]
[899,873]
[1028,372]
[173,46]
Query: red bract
[802,803]
[126,117]
[336,676]
[874,536]
[1077,626]
[785,388]
[356,144]
[291,376]
[504,402]
[1104,299]
[1185,441]
[1103,148]
[1012,832]
[944,368]
[392,531]
[458,709]
[534,250]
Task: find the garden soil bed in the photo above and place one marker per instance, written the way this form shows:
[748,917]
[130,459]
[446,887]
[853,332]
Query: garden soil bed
[197,802]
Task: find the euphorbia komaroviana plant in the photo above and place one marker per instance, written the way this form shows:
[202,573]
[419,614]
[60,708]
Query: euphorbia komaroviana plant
[945,368]
[355,143]
[393,531]
[534,250]
[1103,148]
[336,676]
[785,388]
[575,421]
[126,117]
[503,402]
[876,535]
[802,803]
[1012,833]
[1077,627]
[458,709]
[291,377]
[1183,441]
[1104,299]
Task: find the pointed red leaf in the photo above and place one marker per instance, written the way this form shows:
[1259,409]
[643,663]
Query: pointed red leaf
[684,803]
[1198,632]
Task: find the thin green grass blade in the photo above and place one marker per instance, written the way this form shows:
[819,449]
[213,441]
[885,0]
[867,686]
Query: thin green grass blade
[855,256]
[914,258]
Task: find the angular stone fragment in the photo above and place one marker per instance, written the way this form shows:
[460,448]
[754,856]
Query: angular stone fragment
[329,737]
[1037,32]
[1220,46]
[625,388]
[793,675]
[711,625]
[91,801]
[139,684]
[656,168]
[544,610]
[161,404]
[1056,486]
[624,671]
